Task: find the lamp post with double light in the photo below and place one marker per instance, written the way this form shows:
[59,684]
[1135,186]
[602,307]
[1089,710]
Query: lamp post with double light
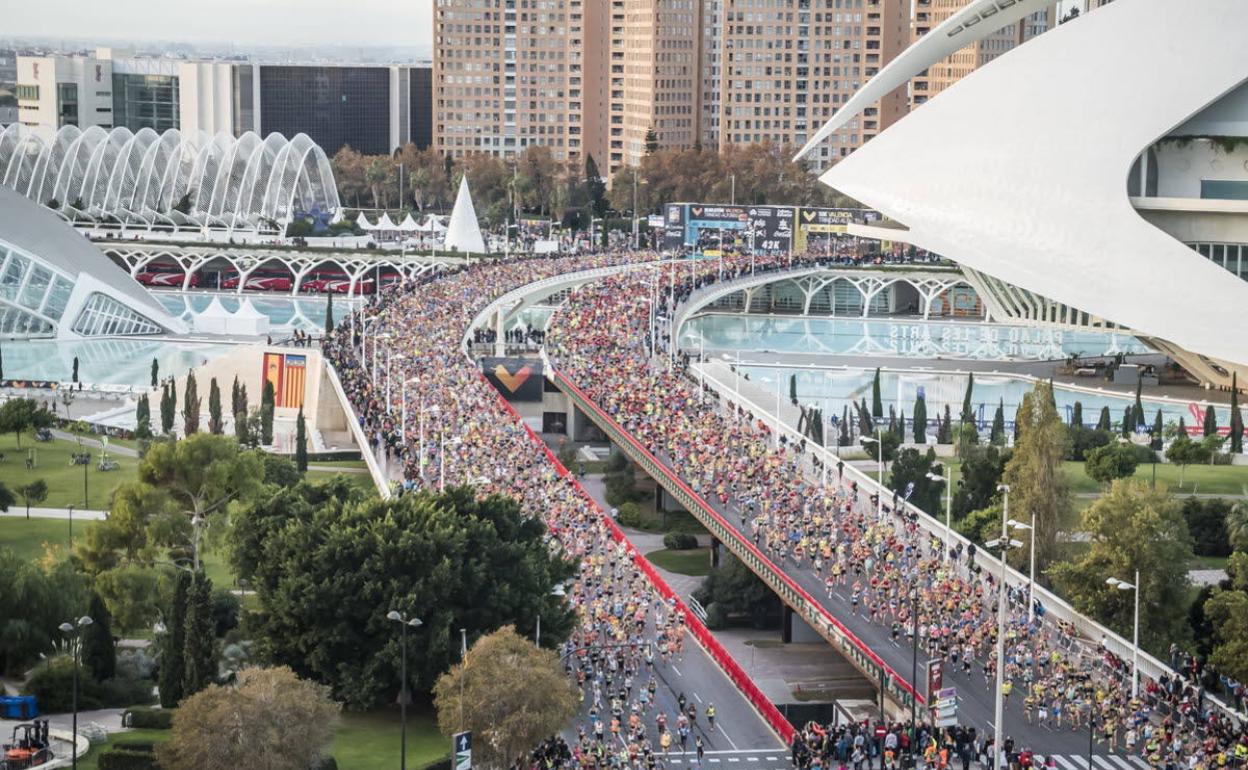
[1004,545]
[405,622]
[75,631]
[879,492]
[936,477]
[1123,585]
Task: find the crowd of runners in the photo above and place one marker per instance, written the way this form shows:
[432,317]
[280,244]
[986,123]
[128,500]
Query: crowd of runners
[601,340]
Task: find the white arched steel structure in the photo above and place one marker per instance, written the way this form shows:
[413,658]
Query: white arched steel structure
[150,179]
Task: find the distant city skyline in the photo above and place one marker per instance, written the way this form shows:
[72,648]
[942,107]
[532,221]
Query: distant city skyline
[232,22]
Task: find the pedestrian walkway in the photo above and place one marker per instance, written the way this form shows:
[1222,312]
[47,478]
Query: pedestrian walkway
[85,514]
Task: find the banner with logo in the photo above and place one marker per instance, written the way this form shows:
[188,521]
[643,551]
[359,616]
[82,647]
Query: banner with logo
[823,224]
[518,379]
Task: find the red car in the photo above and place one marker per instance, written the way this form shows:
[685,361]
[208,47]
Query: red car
[170,278]
[261,282]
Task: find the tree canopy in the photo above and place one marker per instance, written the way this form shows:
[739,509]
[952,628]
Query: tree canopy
[328,565]
[1034,473]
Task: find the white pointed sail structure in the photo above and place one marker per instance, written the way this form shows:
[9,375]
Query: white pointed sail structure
[463,233]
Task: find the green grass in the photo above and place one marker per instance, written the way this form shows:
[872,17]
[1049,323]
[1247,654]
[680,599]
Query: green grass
[217,568]
[695,561]
[371,740]
[27,537]
[1208,562]
[362,480]
[337,464]
[1202,479]
[64,481]
[91,760]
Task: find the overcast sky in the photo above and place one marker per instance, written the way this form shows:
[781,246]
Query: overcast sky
[247,22]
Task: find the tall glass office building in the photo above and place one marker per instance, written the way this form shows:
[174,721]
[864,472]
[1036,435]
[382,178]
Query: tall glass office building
[145,101]
[333,105]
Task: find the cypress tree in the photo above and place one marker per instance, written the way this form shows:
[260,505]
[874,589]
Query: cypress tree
[1211,421]
[1127,415]
[329,313]
[892,421]
[190,406]
[268,401]
[155,371]
[242,400]
[1157,430]
[843,438]
[74,376]
[143,418]
[1182,427]
[168,408]
[216,425]
[98,653]
[1017,421]
[1237,419]
[920,420]
[172,668]
[968,414]
[241,431]
[234,407]
[1137,416]
[1076,415]
[301,443]
[866,425]
[199,658]
[877,402]
[1103,422]
[793,389]
[901,427]
[945,435]
[1,363]
[997,437]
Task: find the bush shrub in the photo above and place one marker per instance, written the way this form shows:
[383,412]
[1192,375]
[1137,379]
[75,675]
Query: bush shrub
[680,541]
[53,685]
[125,759]
[324,763]
[629,515]
[126,691]
[152,719]
[1206,521]
[716,618]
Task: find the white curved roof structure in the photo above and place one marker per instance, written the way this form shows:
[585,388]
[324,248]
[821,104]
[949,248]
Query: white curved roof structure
[1020,169]
[147,178]
[54,282]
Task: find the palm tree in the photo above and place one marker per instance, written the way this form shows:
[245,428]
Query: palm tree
[1237,526]
[376,175]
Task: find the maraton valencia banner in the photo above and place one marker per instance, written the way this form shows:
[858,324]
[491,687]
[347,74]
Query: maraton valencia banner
[518,379]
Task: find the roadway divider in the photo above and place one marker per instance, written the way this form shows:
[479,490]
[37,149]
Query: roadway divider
[831,629]
[714,649]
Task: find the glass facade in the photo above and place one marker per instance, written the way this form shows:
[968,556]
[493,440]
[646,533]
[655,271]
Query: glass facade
[104,315]
[145,101]
[421,101]
[1232,256]
[335,106]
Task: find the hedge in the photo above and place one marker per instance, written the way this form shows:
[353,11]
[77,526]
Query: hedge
[680,541]
[152,719]
[124,759]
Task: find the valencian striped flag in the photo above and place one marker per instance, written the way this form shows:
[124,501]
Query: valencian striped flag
[292,388]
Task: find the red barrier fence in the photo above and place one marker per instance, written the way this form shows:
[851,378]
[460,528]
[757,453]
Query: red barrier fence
[709,512]
[721,656]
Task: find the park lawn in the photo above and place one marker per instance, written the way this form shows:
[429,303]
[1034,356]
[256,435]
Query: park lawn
[313,465]
[217,567]
[27,537]
[1209,562]
[64,481]
[695,561]
[1197,479]
[92,758]
[369,740]
[362,480]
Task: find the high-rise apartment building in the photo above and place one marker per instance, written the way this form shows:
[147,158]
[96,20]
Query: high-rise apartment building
[513,74]
[657,77]
[928,13]
[784,66]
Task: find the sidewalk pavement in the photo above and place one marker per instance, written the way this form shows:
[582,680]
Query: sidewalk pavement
[84,514]
[117,449]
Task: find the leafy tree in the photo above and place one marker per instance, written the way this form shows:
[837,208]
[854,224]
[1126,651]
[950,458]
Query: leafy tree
[133,593]
[981,525]
[458,561]
[1211,421]
[33,493]
[190,406]
[889,441]
[1207,522]
[155,371]
[268,402]
[982,468]
[1184,452]
[734,590]
[1227,611]
[997,437]
[1103,422]
[19,415]
[509,693]
[920,420]
[199,660]
[98,652]
[912,467]
[1038,485]
[301,443]
[173,644]
[269,719]
[1109,462]
[36,596]
[652,141]
[1159,547]
[1076,415]
[216,425]
[620,479]
[143,418]
[877,402]
[1237,526]
[1084,440]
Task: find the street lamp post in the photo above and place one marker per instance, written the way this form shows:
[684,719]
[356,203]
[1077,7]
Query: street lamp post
[398,617]
[1005,544]
[948,510]
[879,492]
[1031,576]
[1123,585]
[914,665]
[76,630]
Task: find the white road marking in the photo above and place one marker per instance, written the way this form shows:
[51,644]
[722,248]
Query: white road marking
[731,742]
[676,670]
[754,759]
[734,759]
[699,697]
